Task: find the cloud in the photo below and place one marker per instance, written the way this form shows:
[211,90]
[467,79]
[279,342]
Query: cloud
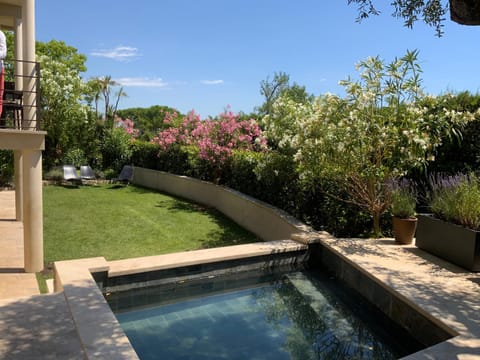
[212,82]
[141,82]
[119,53]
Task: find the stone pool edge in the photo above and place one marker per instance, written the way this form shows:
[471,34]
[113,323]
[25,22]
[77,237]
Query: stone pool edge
[102,336]
[99,332]
[362,256]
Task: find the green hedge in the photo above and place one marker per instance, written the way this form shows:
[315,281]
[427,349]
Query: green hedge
[270,177]
[6,167]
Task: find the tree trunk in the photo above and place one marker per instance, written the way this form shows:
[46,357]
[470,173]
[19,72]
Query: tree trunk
[377,231]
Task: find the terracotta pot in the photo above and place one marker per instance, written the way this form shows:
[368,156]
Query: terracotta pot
[404,229]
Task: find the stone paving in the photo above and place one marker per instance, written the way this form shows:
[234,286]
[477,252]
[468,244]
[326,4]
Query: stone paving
[446,292]
[14,281]
[32,326]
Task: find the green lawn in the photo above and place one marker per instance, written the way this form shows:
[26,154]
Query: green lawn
[119,222]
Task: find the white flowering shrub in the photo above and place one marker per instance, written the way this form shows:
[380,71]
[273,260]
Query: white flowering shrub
[282,125]
[376,133]
[64,115]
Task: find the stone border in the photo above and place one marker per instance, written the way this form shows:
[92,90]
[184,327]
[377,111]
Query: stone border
[100,333]
[446,299]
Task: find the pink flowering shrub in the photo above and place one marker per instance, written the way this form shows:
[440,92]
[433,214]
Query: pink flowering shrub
[215,139]
[127,125]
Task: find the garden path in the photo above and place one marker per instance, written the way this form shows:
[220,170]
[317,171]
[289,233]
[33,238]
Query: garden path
[14,282]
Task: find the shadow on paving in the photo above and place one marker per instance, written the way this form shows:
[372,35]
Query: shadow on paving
[38,327]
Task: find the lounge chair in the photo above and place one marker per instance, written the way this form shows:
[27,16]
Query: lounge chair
[125,175]
[86,173]
[70,174]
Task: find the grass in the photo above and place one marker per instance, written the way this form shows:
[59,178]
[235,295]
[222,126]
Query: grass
[119,222]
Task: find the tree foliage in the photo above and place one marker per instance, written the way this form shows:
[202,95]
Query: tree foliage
[149,121]
[280,85]
[375,134]
[64,115]
[431,12]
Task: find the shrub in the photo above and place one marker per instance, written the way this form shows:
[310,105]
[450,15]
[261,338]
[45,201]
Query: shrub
[55,174]
[456,199]
[379,131]
[145,154]
[215,141]
[6,167]
[75,157]
[404,198]
[110,174]
[116,149]
[321,206]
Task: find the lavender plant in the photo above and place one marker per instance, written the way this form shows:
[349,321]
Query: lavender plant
[404,198]
[456,199]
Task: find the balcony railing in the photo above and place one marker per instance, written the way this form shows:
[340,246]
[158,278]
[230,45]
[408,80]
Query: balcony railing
[21,96]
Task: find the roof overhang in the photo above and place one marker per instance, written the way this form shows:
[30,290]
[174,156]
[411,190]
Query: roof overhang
[10,10]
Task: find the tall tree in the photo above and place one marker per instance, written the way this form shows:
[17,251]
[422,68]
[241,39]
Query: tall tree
[64,115]
[94,91]
[106,84]
[280,86]
[119,94]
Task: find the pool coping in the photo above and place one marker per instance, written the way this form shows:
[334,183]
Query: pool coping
[102,336]
[98,329]
[430,285]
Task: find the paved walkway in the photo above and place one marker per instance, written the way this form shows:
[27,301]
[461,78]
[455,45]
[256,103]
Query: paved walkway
[32,326]
[443,290]
[14,281]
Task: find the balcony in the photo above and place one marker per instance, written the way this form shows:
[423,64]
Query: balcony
[21,97]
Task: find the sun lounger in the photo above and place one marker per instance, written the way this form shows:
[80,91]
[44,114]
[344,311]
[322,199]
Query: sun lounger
[70,174]
[86,173]
[125,176]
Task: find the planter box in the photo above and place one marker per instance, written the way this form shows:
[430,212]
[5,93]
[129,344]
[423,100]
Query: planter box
[448,241]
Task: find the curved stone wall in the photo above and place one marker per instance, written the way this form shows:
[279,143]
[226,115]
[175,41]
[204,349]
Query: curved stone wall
[265,221]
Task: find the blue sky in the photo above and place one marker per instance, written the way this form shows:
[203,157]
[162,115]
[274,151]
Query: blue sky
[207,54]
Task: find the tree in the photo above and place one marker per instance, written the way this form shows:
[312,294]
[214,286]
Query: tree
[280,86]
[374,135]
[149,121]
[431,12]
[119,94]
[94,91]
[59,51]
[64,115]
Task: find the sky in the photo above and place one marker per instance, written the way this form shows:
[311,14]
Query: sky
[207,55]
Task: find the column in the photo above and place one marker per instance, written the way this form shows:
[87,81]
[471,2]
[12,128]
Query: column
[18,54]
[32,210]
[18,166]
[29,83]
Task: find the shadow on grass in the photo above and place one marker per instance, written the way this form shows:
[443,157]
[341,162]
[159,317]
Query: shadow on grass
[228,232]
[177,205]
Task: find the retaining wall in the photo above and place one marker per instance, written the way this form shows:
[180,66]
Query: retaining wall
[266,221]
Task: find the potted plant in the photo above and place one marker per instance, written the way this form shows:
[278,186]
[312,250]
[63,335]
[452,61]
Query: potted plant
[404,201]
[452,230]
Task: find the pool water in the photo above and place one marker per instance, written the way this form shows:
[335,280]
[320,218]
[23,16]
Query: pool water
[294,315]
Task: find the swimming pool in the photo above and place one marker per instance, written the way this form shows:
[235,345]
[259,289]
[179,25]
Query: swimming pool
[285,313]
